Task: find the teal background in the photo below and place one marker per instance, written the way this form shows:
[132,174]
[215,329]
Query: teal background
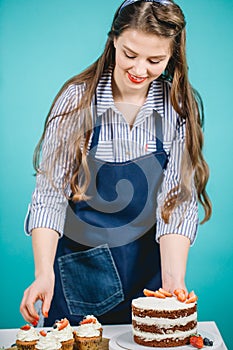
[45,42]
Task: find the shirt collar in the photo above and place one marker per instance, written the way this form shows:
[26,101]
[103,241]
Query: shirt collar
[104,97]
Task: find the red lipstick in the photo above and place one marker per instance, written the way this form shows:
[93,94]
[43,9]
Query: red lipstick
[135,80]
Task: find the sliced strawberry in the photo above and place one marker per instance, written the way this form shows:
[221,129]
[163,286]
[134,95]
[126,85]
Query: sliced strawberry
[191,294]
[181,296]
[191,299]
[88,320]
[62,324]
[164,292]
[26,327]
[148,293]
[43,333]
[178,291]
[196,341]
[158,294]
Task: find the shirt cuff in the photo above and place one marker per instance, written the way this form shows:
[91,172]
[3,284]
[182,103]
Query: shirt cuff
[44,218]
[178,226]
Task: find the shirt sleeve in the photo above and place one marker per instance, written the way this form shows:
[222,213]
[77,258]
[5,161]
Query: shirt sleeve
[48,204]
[184,218]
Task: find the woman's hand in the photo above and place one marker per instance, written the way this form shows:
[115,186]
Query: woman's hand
[44,242]
[42,288]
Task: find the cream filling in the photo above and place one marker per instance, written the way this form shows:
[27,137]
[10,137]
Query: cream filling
[158,337]
[165,322]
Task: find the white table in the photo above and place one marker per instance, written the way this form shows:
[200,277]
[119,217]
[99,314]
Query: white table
[8,336]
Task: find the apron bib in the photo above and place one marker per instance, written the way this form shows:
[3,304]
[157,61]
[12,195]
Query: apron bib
[108,253]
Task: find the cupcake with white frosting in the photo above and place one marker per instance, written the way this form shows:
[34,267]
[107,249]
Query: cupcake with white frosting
[26,338]
[88,334]
[47,341]
[64,333]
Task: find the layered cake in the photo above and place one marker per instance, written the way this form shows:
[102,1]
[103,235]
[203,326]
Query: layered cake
[162,319]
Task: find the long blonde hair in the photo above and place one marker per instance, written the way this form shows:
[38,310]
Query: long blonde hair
[162,20]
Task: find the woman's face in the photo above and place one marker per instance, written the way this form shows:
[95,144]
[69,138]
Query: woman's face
[140,58]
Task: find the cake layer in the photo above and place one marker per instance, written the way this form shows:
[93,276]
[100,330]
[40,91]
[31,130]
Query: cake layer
[166,308]
[164,330]
[163,343]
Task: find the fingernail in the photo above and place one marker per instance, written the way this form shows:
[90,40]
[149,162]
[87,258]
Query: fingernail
[46,314]
[37,318]
[34,323]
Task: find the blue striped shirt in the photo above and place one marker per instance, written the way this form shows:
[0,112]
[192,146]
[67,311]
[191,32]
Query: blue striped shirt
[118,142]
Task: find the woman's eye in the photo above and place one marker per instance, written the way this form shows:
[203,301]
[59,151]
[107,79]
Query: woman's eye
[154,62]
[129,56]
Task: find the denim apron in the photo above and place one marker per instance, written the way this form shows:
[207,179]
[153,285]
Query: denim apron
[108,253]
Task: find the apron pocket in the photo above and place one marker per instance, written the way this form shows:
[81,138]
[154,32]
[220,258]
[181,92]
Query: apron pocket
[90,281]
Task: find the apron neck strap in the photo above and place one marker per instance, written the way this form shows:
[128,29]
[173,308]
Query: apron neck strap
[159,130]
[158,125]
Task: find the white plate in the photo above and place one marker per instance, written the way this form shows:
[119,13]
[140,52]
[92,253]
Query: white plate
[125,341]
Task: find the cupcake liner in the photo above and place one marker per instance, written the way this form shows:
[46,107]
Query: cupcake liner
[25,345]
[68,344]
[85,343]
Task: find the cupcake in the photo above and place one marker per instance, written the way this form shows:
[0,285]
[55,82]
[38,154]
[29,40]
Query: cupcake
[26,338]
[88,335]
[47,341]
[64,333]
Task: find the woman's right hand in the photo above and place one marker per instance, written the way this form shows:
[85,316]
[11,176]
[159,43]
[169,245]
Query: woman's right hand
[42,288]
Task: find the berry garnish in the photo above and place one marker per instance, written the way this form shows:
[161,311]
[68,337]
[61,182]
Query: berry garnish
[196,341]
[43,333]
[62,324]
[158,294]
[88,320]
[151,293]
[166,293]
[26,327]
[148,292]
[208,342]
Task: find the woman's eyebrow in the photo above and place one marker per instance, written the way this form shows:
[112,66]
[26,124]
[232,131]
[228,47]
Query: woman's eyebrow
[135,53]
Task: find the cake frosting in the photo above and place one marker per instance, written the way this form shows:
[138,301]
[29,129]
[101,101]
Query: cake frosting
[63,334]
[89,328]
[28,334]
[163,321]
[48,342]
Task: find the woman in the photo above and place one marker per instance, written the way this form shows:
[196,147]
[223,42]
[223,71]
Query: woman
[115,208]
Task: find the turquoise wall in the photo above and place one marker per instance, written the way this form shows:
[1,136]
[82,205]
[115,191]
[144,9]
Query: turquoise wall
[45,42]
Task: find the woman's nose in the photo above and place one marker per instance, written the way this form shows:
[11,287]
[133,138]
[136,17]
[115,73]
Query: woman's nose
[140,68]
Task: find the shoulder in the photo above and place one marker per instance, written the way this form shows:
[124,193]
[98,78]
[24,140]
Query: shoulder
[68,98]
